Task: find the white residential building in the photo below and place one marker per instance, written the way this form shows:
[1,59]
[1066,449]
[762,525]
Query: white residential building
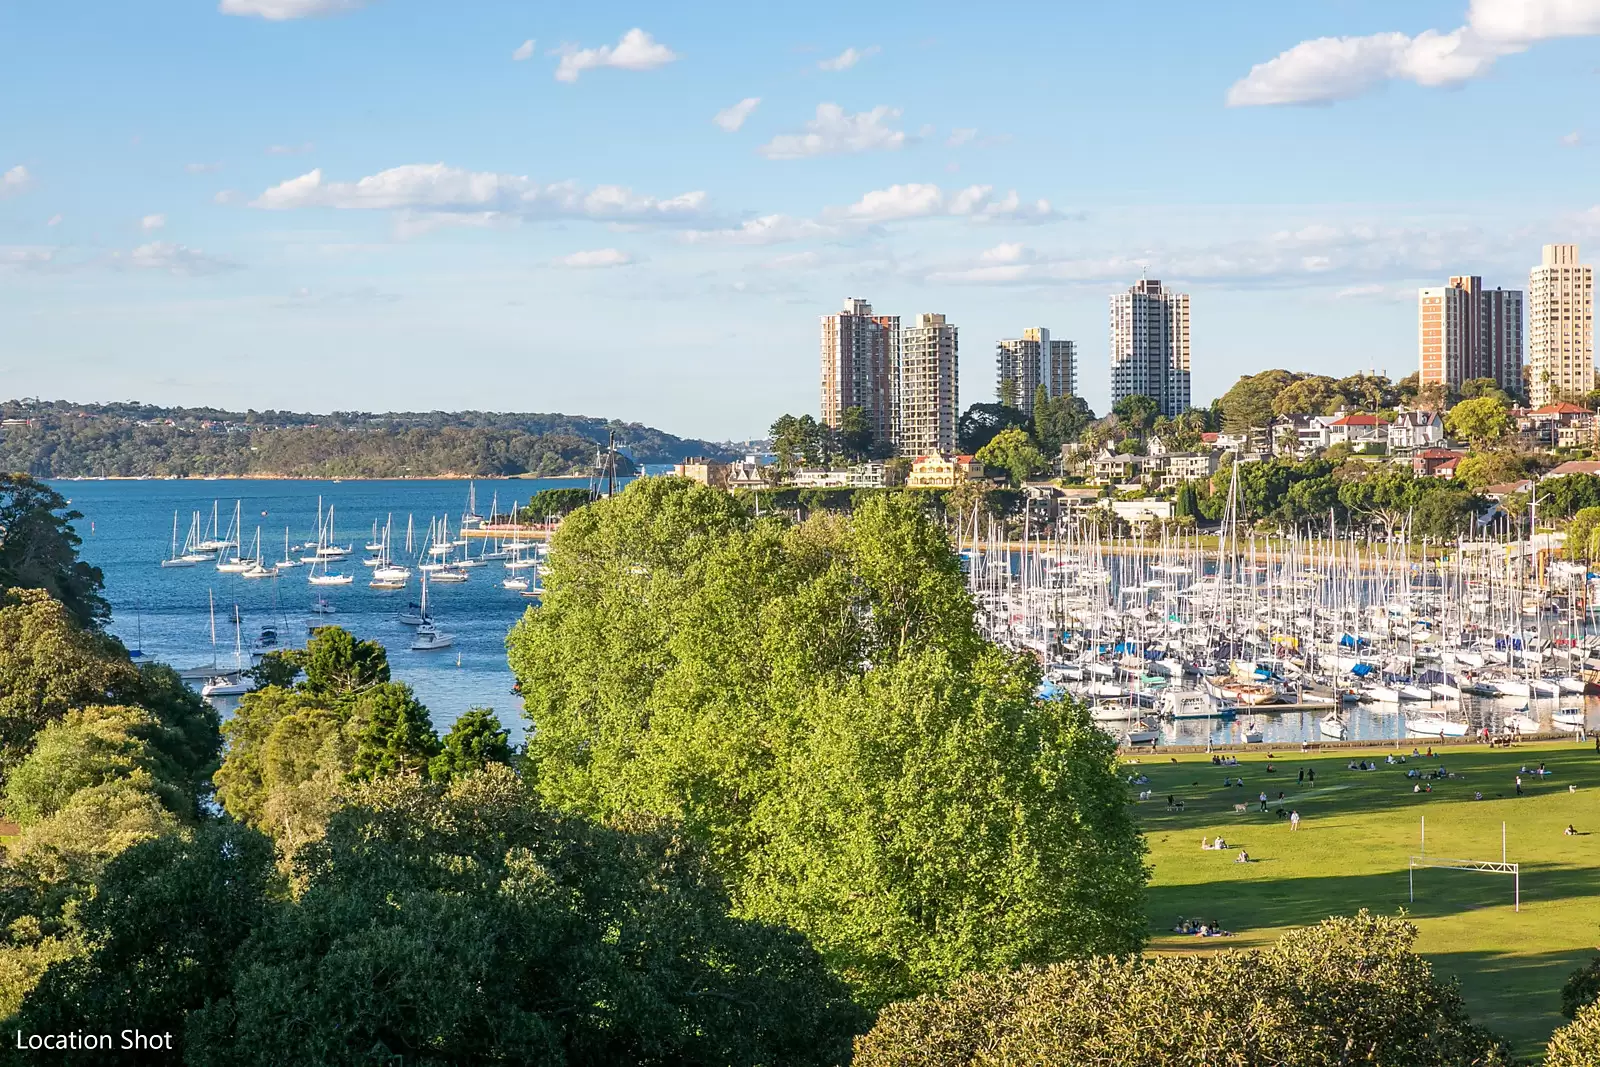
[1035,359]
[1150,346]
[929,352]
[1560,327]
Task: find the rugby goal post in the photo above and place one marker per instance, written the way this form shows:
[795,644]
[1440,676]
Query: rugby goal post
[1500,866]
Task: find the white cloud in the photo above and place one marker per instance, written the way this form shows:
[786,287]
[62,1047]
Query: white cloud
[201,168]
[55,220]
[25,257]
[1573,139]
[174,259]
[290,149]
[15,181]
[833,132]
[477,197]
[918,200]
[599,257]
[524,51]
[960,137]
[636,51]
[1328,69]
[731,118]
[282,10]
[766,230]
[848,58]
[152,222]
[228,196]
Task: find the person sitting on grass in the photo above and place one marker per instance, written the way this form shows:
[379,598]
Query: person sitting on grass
[1476,795]
[1243,857]
[1569,831]
[1220,845]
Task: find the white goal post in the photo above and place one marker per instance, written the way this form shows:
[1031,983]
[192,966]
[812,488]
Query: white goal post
[1481,866]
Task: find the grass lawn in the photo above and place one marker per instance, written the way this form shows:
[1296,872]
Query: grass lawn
[1357,830]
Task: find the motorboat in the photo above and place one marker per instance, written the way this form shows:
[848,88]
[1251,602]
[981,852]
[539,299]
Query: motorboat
[430,639]
[227,686]
[321,606]
[514,583]
[1194,704]
[1434,726]
[1569,720]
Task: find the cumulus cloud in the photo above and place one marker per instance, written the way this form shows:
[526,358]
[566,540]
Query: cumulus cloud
[14,181]
[636,51]
[1329,69]
[599,257]
[848,58]
[175,259]
[834,132]
[731,118]
[432,194]
[26,257]
[766,230]
[283,10]
[524,51]
[152,222]
[919,200]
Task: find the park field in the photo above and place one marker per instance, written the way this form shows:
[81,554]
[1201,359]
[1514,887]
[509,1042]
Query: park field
[1357,831]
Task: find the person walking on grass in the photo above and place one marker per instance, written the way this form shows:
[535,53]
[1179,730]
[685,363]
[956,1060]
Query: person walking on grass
[1302,776]
[1294,820]
[1519,785]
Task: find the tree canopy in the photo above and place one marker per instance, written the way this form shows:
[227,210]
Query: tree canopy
[1013,452]
[39,549]
[787,691]
[980,423]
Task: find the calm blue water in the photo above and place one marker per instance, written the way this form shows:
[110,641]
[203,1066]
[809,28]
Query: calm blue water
[127,531]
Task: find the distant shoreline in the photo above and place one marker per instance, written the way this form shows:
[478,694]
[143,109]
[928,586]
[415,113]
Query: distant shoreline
[319,478]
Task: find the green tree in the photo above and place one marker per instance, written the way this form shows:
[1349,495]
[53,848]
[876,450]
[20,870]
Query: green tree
[288,760]
[1474,388]
[1578,1043]
[1137,412]
[48,664]
[1349,990]
[1311,394]
[855,434]
[1581,540]
[336,664]
[1480,470]
[1479,422]
[393,733]
[980,423]
[90,747]
[1060,421]
[1582,986]
[1013,451]
[39,550]
[471,926]
[1249,404]
[549,504]
[475,740]
[786,692]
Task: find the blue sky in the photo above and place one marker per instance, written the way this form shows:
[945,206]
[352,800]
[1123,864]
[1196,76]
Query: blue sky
[375,204]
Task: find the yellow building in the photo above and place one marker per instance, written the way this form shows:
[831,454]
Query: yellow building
[941,471]
[705,471]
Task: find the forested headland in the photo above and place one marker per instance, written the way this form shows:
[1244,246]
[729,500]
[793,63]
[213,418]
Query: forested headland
[59,439]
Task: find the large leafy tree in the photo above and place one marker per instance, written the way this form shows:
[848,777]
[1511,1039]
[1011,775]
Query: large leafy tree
[1136,412]
[393,733]
[787,693]
[1058,421]
[475,740]
[1350,990]
[980,423]
[472,926]
[1013,451]
[338,664]
[1578,1043]
[1479,422]
[39,549]
[1249,404]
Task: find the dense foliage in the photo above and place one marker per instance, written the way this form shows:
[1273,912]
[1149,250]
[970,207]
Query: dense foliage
[61,440]
[39,549]
[445,925]
[815,704]
[1347,991]
[1581,989]
[1578,1043]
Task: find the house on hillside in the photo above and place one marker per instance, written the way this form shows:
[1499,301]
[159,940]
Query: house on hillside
[1413,431]
[1436,462]
[940,471]
[705,471]
[1115,468]
[1554,425]
[1576,466]
[1309,434]
[1361,432]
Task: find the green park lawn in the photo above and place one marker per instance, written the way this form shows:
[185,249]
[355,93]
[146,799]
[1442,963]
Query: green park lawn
[1357,830]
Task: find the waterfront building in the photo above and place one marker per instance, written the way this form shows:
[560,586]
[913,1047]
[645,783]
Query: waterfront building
[1560,327]
[926,387]
[1150,346]
[705,471]
[860,358]
[1465,331]
[1035,359]
[942,471]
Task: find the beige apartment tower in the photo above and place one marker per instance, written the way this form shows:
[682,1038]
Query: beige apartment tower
[1466,331]
[1023,365]
[860,357]
[927,387]
[1150,346]
[1560,327]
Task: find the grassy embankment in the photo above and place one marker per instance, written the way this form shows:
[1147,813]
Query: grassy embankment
[1358,828]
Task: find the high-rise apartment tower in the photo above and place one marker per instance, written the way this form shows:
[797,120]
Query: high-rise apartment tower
[1560,327]
[860,358]
[1150,346]
[927,387]
[1465,331]
[1022,366]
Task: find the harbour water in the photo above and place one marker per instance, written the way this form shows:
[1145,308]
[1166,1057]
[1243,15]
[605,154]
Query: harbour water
[165,613]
